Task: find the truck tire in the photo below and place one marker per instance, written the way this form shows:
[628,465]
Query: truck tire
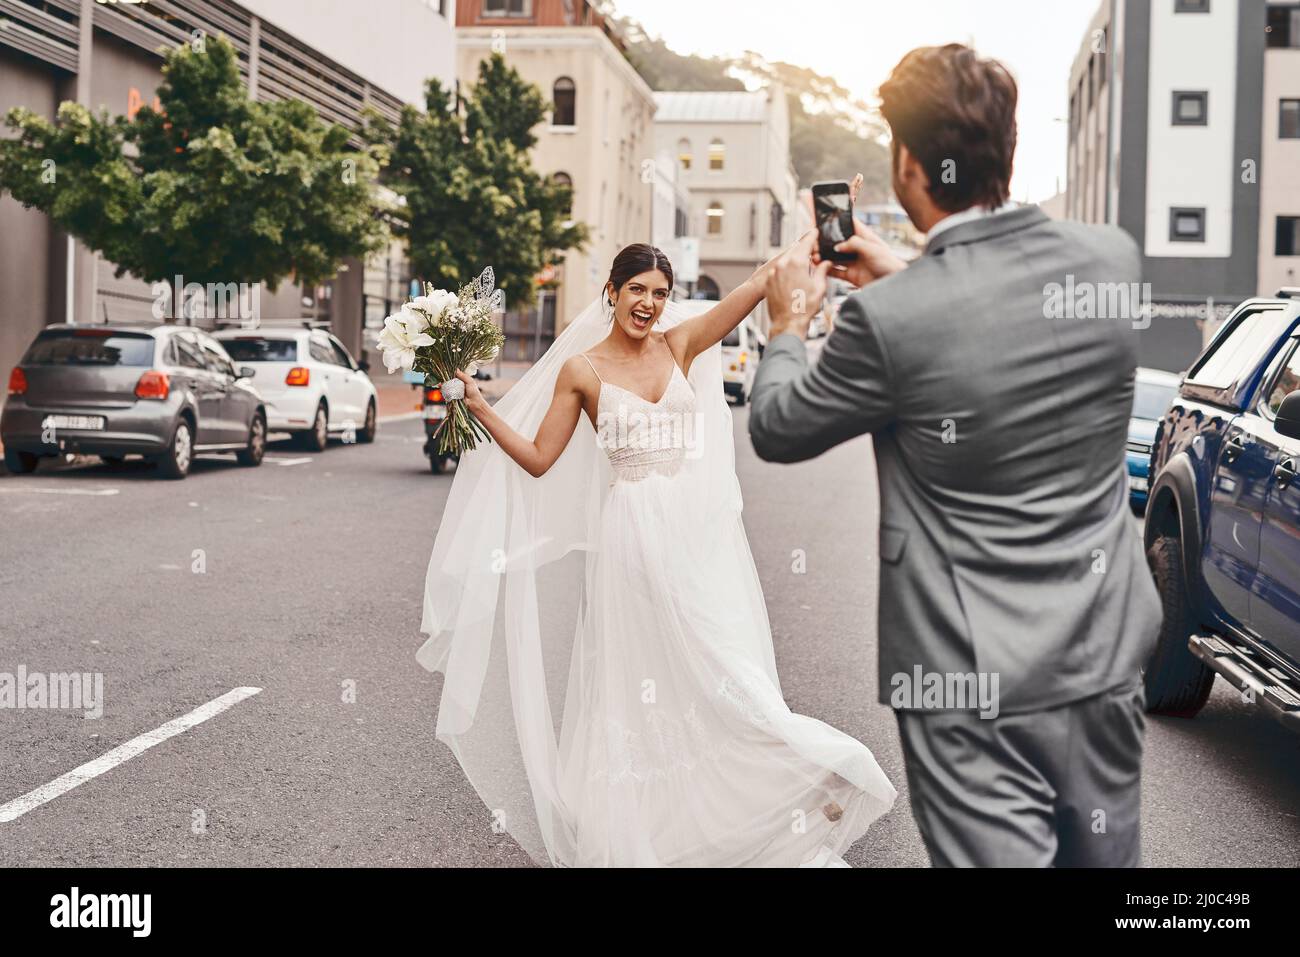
[1177,682]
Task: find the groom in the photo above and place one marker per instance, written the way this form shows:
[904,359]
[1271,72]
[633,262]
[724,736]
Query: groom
[1008,558]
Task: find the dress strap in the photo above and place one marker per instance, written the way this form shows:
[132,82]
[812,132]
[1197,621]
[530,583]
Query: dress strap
[589,362]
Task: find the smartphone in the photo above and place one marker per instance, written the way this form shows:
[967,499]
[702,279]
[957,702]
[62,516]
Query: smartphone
[833,209]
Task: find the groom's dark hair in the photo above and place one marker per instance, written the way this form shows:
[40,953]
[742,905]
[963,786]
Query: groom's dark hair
[956,113]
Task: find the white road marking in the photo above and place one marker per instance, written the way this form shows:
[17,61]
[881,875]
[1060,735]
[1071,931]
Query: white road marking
[121,754]
[278,461]
[400,416]
[59,491]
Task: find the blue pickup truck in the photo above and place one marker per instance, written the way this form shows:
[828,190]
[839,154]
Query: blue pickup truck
[1222,528]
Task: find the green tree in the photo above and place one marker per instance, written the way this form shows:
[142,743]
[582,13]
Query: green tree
[213,187]
[471,197]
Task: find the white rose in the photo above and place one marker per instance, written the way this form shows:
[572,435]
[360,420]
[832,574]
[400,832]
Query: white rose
[435,303]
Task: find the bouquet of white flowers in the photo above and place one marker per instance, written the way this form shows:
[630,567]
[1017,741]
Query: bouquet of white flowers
[440,332]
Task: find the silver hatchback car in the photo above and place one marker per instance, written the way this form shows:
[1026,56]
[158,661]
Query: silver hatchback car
[164,392]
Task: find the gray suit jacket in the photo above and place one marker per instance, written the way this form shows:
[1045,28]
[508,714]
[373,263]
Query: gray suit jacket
[1006,544]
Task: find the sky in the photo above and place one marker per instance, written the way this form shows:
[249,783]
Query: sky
[857,42]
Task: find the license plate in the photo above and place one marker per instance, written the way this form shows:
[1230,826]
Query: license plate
[1137,483]
[436,412]
[93,423]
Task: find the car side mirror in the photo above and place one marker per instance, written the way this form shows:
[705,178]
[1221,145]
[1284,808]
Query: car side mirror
[1288,416]
[246,372]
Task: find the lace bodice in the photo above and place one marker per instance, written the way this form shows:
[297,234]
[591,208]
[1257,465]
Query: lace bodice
[643,438]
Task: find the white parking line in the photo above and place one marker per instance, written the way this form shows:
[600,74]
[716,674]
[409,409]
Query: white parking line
[59,491]
[278,461]
[121,754]
[400,416]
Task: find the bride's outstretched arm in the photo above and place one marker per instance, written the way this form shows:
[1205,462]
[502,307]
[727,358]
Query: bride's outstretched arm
[535,456]
[691,337]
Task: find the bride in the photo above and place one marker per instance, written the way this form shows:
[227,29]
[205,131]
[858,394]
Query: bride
[594,556]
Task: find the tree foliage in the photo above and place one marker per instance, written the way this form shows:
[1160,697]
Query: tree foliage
[214,186]
[470,195]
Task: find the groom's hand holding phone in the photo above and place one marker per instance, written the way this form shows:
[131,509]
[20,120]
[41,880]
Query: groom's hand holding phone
[795,288]
[872,258]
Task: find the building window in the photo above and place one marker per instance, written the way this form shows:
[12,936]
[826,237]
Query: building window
[1191,108]
[679,222]
[565,180]
[1191,6]
[684,153]
[1288,122]
[715,218]
[1288,236]
[706,288]
[774,226]
[565,97]
[717,155]
[1283,28]
[1187,224]
[507,8]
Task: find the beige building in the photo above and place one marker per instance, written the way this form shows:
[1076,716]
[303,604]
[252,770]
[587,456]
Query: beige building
[598,138]
[733,160]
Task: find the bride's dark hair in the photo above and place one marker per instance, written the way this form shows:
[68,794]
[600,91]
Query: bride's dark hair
[635,259]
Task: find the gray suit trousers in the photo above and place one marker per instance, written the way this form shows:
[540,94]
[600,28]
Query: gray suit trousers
[1056,787]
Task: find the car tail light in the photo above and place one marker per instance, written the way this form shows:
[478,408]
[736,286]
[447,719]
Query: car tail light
[433,395]
[744,357]
[298,376]
[153,385]
[17,382]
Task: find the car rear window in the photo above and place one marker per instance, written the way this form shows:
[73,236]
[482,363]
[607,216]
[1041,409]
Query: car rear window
[259,349]
[1239,348]
[90,347]
[1151,401]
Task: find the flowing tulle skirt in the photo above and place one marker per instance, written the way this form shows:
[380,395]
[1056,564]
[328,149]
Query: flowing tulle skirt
[676,746]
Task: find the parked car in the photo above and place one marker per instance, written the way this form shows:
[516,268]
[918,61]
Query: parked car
[741,349]
[1153,392]
[1222,528]
[164,392]
[312,386]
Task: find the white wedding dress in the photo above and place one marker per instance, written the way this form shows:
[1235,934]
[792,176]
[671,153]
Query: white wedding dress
[674,746]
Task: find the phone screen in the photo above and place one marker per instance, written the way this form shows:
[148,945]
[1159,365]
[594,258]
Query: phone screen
[833,208]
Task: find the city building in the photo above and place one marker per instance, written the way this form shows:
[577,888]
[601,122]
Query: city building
[597,138]
[733,160]
[669,218]
[1184,129]
[105,56]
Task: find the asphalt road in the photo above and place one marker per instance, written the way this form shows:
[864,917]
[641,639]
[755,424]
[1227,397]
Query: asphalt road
[303,579]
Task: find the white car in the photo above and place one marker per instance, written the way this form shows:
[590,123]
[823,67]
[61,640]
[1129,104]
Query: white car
[312,386]
[741,349]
